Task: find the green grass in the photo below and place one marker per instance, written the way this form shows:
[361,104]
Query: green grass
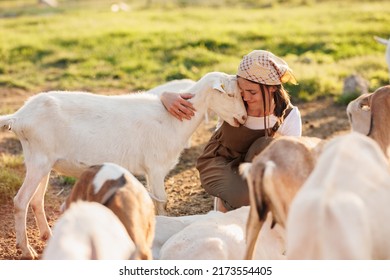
[10,179]
[87,47]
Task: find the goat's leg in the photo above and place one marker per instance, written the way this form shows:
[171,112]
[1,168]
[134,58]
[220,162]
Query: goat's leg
[37,204]
[158,193]
[34,175]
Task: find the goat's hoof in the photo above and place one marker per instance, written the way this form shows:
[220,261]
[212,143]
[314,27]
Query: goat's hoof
[30,254]
[45,236]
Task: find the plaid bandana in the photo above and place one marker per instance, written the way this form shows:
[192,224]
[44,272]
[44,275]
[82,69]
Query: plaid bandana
[264,67]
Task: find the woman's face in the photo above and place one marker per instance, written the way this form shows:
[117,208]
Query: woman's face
[252,96]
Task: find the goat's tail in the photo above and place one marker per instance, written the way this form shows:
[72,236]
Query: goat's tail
[6,122]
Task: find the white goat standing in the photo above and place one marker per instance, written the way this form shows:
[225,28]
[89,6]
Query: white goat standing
[70,131]
[342,210]
[274,176]
[116,188]
[218,236]
[369,114]
[89,231]
[387,44]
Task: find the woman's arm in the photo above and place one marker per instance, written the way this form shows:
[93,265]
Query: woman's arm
[178,105]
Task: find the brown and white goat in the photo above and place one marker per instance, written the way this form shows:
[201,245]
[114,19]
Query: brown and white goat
[274,176]
[369,114]
[116,188]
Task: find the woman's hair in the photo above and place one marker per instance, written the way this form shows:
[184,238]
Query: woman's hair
[282,100]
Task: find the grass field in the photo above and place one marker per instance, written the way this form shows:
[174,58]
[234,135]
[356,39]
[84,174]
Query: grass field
[83,45]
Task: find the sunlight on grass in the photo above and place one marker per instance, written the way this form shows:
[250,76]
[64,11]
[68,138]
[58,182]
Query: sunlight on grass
[10,179]
[11,161]
[142,48]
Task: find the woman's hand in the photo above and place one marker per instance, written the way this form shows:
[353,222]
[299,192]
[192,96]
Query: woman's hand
[178,105]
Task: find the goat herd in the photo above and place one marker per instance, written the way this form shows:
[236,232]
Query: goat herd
[310,198]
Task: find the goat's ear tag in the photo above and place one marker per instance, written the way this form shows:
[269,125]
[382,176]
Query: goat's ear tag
[218,85]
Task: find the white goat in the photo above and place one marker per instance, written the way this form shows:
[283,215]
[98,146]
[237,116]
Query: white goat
[387,44]
[342,210]
[86,231]
[116,188]
[219,236]
[369,114]
[274,176]
[70,131]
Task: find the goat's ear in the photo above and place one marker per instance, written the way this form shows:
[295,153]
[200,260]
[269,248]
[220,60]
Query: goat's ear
[218,85]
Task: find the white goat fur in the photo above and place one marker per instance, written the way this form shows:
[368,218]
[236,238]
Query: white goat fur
[70,131]
[369,114]
[385,42]
[342,210]
[86,231]
[179,86]
[167,226]
[274,176]
[219,236]
[116,188]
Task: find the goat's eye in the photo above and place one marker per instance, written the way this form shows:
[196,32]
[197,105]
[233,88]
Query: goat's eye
[230,94]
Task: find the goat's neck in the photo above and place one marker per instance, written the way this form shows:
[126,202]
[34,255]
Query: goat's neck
[200,103]
[382,137]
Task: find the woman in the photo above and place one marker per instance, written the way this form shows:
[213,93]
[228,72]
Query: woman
[260,77]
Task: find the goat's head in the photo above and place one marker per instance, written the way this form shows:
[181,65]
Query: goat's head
[368,114]
[98,183]
[359,113]
[225,99]
[367,109]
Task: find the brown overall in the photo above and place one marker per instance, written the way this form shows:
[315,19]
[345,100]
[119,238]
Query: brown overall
[218,165]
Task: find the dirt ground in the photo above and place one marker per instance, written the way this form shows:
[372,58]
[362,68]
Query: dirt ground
[322,119]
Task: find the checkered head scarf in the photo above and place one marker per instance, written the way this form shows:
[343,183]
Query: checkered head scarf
[265,68]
